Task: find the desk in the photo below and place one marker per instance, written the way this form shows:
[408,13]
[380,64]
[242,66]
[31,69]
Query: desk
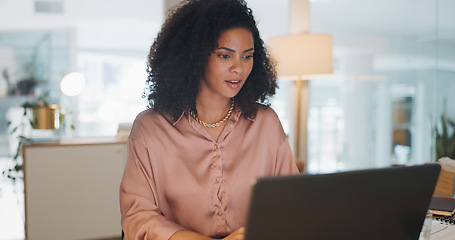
[445,185]
[72,188]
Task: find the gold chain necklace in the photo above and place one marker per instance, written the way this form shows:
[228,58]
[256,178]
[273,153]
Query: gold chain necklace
[217,124]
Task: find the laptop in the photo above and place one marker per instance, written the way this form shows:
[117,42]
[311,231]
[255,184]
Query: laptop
[387,203]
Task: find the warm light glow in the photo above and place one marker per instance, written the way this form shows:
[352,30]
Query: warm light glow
[72,84]
[304,55]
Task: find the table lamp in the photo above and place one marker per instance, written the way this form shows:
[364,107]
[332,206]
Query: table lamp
[301,57]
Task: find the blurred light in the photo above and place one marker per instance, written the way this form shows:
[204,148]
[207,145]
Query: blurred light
[72,84]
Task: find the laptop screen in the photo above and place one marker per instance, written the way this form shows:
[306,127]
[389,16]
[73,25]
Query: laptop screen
[386,203]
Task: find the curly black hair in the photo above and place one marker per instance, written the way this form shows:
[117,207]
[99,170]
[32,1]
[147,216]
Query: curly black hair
[179,54]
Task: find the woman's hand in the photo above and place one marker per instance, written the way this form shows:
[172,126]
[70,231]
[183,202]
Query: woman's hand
[239,234]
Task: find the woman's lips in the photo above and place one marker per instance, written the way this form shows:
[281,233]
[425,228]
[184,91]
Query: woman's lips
[234,83]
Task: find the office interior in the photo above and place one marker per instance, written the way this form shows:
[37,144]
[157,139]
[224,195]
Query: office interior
[393,78]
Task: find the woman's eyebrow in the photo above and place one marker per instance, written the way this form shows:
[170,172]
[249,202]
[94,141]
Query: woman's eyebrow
[232,50]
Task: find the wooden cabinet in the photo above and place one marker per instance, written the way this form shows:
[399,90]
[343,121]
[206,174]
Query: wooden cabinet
[72,189]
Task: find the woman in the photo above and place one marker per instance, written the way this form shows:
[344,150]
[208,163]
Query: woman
[193,155]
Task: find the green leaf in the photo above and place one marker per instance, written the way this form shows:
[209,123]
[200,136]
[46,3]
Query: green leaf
[13,130]
[445,140]
[18,167]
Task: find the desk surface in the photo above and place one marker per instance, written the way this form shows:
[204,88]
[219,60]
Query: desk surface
[75,141]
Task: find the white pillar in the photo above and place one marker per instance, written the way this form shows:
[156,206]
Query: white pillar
[300,17]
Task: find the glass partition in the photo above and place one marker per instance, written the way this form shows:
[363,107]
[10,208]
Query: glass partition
[31,64]
[394,68]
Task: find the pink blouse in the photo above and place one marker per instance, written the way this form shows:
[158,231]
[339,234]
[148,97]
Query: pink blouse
[177,177]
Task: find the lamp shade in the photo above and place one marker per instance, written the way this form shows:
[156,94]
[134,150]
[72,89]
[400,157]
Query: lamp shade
[304,55]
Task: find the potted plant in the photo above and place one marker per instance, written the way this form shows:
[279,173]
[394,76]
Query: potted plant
[27,84]
[445,138]
[38,114]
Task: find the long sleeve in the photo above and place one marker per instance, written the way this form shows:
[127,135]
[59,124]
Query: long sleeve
[141,217]
[285,161]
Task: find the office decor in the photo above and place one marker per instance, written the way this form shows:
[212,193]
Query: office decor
[301,57]
[44,117]
[37,114]
[443,206]
[445,138]
[71,85]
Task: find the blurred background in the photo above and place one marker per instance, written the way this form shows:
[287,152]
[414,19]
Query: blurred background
[393,79]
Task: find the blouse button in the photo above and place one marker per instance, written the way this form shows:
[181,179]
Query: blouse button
[219,213]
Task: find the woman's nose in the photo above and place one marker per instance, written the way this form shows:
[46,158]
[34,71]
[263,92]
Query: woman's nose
[237,66]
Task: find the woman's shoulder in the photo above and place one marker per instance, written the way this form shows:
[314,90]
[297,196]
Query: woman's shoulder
[150,121]
[147,115]
[265,112]
[152,114]
[266,115]
[266,118]
[151,117]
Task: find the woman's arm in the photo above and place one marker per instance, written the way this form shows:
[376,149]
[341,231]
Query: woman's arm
[141,217]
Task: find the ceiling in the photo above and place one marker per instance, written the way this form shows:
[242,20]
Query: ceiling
[132,24]
[422,19]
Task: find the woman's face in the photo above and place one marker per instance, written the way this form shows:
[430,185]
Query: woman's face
[229,64]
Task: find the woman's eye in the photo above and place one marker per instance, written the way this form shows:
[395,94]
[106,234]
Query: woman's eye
[248,56]
[224,56]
